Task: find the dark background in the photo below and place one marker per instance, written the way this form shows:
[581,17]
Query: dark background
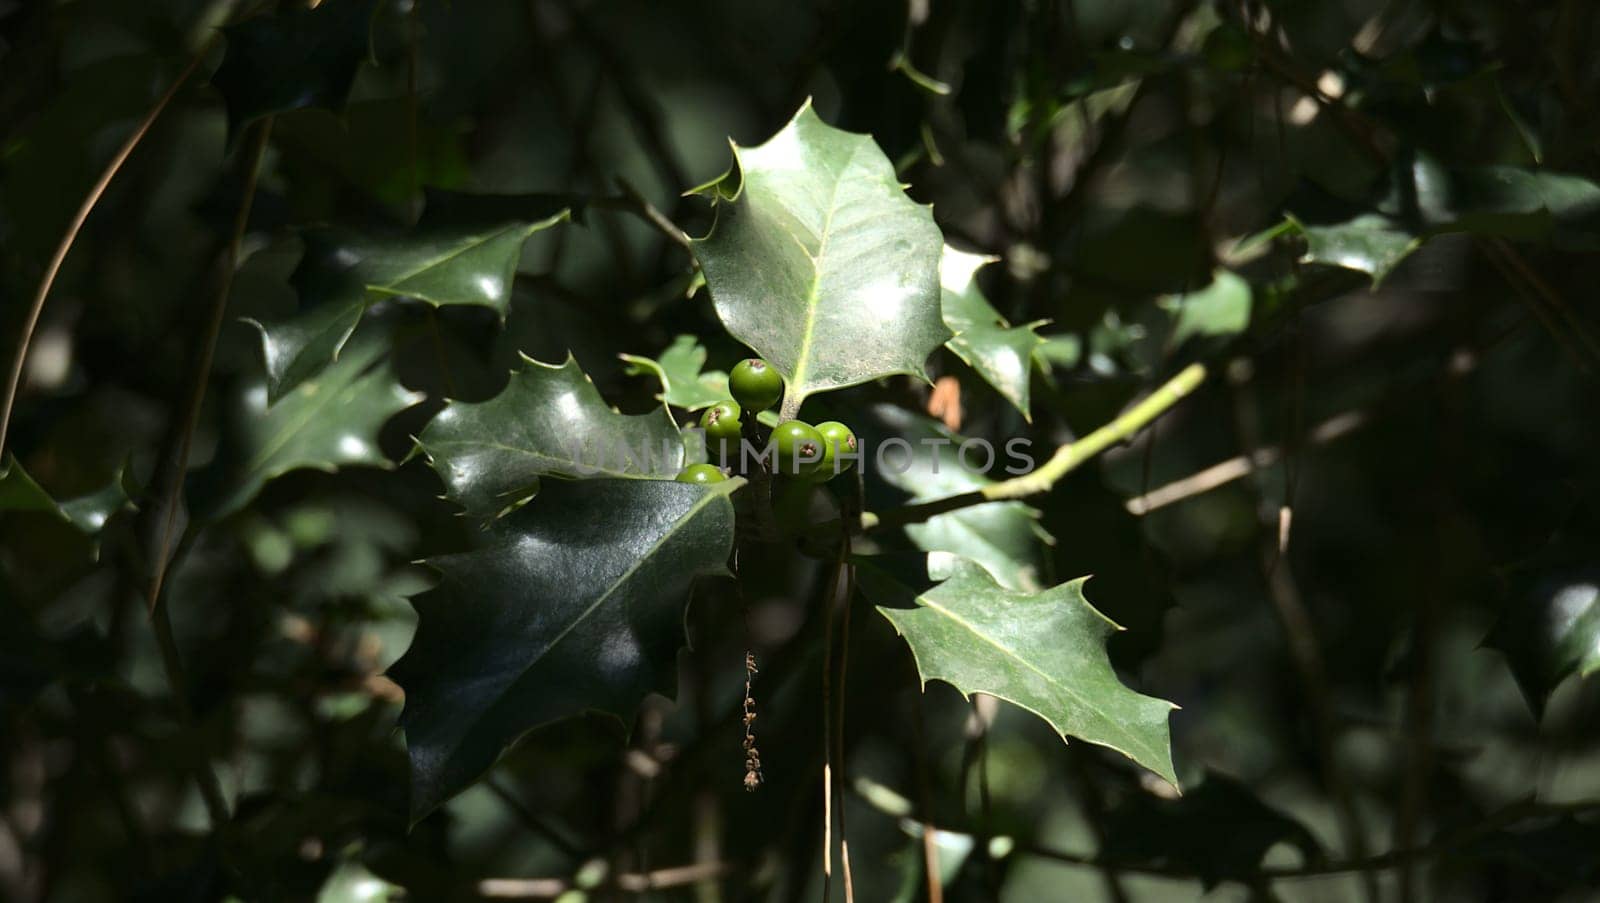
[1401,679]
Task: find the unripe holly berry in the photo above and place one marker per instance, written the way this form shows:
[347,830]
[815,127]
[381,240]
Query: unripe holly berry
[836,437]
[799,448]
[702,473]
[722,425]
[755,384]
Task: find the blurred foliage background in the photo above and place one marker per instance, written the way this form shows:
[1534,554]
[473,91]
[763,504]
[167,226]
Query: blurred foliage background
[1362,558]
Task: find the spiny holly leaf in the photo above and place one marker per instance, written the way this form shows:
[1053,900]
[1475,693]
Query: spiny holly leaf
[1221,309]
[327,423]
[683,385]
[1219,831]
[1004,537]
[549,421]
[1498,201]
[88,513]
[1000,353]
[1550,628]
[1043,651]
[294,60]
[820,262]
[1370,243]
[461,252]
[573,602]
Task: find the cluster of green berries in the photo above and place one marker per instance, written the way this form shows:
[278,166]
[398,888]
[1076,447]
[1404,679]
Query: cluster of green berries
[802,450]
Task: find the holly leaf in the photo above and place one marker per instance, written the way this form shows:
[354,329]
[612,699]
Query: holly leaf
[295,60]
[1004,537]
[1219,831]
[1043,651]
[549,421]
[463,251]
[325,424]
[1000,353]
[820,262]
[683,384]
[87,513]
[573,602]
[1220,310]
[1551,627]
[1370,243]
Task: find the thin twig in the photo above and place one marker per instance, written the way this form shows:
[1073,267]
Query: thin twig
[631,882]
[172,483]
[1066,459]
[53,268]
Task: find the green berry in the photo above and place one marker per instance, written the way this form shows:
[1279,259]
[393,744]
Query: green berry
[799,448]
[836,437]
[702,473]
[723,427]
[755,384]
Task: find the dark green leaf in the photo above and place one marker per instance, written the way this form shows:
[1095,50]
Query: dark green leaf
[1221,309]
[1219,831]
[1043,651]
[327,423]
[549,421]
[1000,353]
[1552,629]
[88,513]
[1004,537]
[294,60]
[821,263]
[464,251]
[573,602]
[683,384]
[1370,243]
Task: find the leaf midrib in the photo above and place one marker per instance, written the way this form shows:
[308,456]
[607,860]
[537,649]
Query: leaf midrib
[392,285]
[797,379]
[1116,725]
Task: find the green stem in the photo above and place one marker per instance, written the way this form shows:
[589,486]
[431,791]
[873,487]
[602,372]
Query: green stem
[1066,459]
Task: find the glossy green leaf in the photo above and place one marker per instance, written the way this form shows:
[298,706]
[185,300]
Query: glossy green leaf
[88,513]
[1370,243]
[683,383]
[1004,537]
[461,252]
[820,261]
[327,423]
[1553,630]
[573,602]
[549,421]
[1000,353]
[1043,651]
[294,60]
[1220,310]
[1495,201]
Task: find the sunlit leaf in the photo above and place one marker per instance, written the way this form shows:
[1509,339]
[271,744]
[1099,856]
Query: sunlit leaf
[1043,651]
[549,421]
[683,383]
[573,602]
[1000,353]
[820,262]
